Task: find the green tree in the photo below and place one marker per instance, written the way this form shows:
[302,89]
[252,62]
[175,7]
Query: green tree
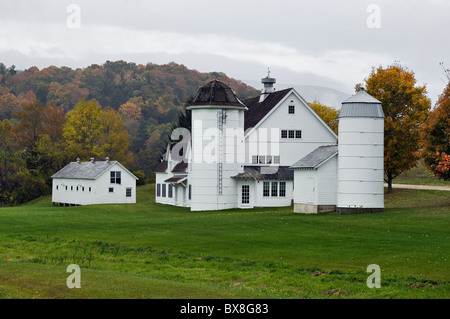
[405,107]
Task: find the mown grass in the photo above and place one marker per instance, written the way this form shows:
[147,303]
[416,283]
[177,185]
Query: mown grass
[149,250]
[420,175]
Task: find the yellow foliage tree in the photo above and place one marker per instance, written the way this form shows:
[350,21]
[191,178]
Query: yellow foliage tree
[328,114]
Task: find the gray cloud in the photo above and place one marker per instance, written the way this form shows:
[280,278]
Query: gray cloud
[324,42]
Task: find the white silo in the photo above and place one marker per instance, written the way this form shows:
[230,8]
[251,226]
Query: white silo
[361,155]
[217,147]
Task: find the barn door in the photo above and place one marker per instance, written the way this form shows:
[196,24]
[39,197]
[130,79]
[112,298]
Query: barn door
[245,194]
[310,191]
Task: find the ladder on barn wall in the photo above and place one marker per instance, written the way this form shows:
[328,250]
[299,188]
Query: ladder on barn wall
[221,121]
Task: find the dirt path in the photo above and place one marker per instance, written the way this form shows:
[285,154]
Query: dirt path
[439,188]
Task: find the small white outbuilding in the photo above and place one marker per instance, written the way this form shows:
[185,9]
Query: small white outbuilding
[93,182]
[315,181]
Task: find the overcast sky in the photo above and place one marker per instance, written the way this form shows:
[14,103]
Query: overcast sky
[329,43]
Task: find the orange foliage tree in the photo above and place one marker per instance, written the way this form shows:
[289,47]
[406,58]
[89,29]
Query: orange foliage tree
[405,107]
[436,137]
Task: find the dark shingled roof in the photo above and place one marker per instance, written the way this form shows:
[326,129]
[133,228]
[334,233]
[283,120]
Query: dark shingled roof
[180,167]
[175,179]
[216,93]
[84,170]
[161,168]
[256,111]
[316,157]
[282,173]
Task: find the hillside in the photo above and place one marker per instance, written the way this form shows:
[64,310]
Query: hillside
[151,95]
[158,89]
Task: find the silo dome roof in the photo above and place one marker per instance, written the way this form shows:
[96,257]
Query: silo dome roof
[216,93]
[361,104]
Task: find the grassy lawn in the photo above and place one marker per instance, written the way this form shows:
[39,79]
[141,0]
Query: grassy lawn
[149,250]
[420,175]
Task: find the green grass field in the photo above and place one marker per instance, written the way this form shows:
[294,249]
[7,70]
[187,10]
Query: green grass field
[149,250]
[420,175]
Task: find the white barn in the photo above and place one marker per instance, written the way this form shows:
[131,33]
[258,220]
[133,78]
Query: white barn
[93,182]
[240,151]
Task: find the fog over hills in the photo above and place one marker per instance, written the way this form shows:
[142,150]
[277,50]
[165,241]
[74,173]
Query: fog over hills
[324,95]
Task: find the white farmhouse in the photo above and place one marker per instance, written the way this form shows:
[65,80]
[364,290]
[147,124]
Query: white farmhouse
[93,182]
[240,152]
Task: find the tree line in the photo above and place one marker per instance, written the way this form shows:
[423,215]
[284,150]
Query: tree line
[40,133]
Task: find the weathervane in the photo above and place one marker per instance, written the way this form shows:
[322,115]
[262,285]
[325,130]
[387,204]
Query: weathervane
[268,72]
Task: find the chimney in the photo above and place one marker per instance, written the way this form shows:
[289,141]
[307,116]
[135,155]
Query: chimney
[107,159]
[268,86]
[78,160]
[92,160]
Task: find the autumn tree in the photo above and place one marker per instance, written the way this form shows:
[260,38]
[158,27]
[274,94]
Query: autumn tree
[30,126]
[405,107]
[114,141]
[9,104]
[92,132]
[53,122]
[82,130]
[327,113]
[131,111]
[436,137]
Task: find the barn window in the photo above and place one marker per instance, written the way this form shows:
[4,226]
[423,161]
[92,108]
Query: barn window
[128,192]
[254,159]
[115,177]
[269,159]
[291,109]
[282,189]
[276,159]
[298,134]
[163,190]
[266,189]
[170,190]
[284,133]
[274,189]
[82,188]
[190,191]
[158,190]
[111,189]
[89,189]
[66,187]
[77,188]
[56,187]
[261,159]
[291,133]
[71,188]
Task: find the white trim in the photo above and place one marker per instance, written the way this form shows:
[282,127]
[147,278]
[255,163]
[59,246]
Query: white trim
[109,169]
